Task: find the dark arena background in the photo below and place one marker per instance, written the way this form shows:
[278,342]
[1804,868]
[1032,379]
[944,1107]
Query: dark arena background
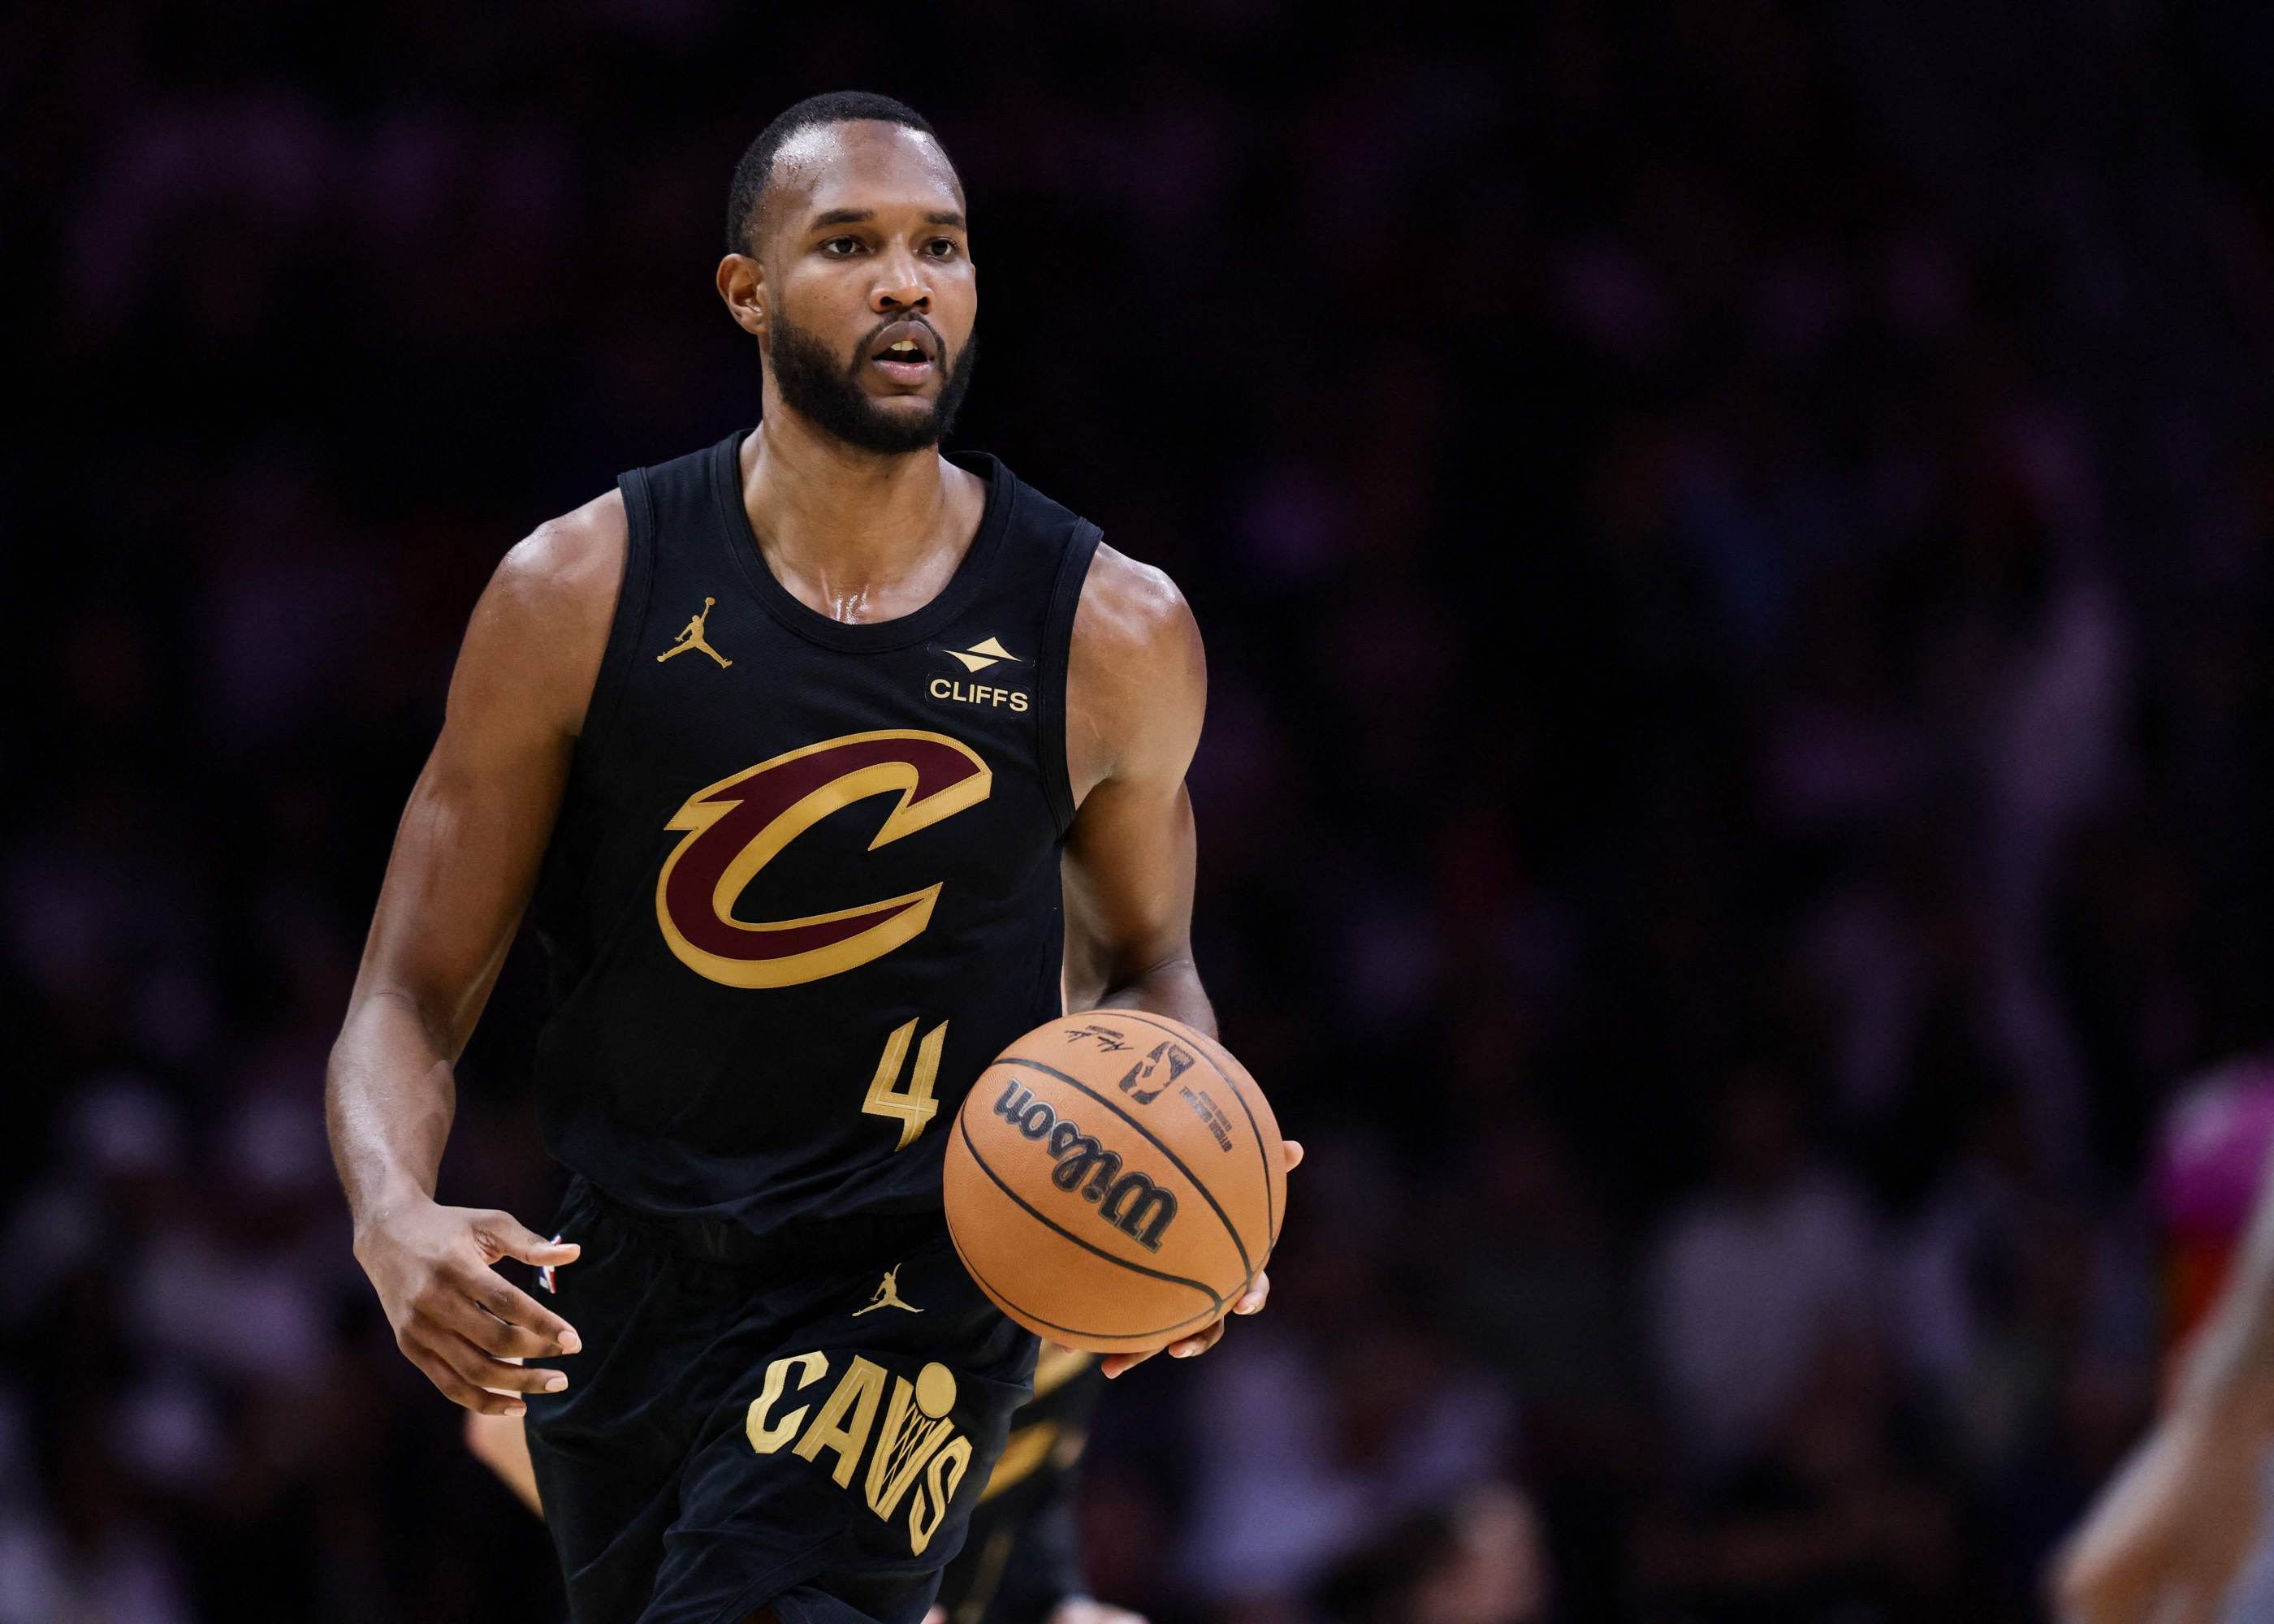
[1733,541]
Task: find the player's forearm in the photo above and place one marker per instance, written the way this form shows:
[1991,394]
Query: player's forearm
[389,1099]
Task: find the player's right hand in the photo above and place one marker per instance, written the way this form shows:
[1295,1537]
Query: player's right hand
[455,1317]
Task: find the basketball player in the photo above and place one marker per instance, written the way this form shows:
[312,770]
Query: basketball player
[821,762]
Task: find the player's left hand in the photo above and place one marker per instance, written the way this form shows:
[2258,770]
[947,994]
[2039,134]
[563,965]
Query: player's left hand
[1251,1302]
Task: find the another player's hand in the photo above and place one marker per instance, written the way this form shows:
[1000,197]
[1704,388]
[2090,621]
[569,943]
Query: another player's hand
[455,1317]
[1251,1302]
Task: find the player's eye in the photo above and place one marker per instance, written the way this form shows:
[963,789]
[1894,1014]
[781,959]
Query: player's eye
[841,247]
[941,248]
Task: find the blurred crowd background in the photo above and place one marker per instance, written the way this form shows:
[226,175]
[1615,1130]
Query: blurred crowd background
[1734,545]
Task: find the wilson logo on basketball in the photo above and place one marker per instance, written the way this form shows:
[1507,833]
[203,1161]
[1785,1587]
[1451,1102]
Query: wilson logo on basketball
[1132,1202]
[735,827]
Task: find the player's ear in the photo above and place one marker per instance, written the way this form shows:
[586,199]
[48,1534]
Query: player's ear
[743,285]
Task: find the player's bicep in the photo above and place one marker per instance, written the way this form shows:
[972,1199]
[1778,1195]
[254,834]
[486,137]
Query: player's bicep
[1138,688]
[465,858]
[474,832]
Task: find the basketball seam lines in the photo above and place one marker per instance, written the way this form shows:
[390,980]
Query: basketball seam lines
[1270,1217]
[1002,1297]
[964,1128]
[1190,1177]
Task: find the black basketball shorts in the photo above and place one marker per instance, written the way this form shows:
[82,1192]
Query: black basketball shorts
[803,1427]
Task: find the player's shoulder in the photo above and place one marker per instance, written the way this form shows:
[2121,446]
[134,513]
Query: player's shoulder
[1133,619]
[1136,676]
[541,629]
[569,561]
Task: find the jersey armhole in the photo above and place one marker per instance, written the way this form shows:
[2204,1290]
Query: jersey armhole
[628,630]
[1058,649]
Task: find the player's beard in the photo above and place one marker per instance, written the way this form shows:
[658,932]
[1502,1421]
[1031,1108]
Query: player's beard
[829,396]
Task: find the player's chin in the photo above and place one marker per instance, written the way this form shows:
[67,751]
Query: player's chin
[907,412]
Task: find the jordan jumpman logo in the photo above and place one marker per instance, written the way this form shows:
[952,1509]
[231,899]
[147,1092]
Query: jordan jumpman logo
[692,638]
[888,1296]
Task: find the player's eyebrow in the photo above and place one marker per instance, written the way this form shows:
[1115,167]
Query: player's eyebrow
[863,216]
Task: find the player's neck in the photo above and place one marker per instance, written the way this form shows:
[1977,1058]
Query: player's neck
[850,534]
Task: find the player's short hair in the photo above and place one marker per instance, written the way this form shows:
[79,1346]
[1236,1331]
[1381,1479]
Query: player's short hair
[756,167]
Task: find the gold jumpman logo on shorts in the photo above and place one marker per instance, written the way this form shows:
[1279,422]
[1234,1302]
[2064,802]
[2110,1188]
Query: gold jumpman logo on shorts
[692,638]
[888,1296]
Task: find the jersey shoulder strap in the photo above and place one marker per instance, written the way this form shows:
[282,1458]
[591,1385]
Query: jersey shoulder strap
[658,501]
[1058,653]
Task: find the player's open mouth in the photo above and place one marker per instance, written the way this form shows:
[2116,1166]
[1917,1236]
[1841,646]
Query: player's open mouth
[905,352]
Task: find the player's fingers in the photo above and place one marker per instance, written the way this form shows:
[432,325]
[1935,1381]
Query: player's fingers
[1258,1293]
[1293,1159]
[1183,1348]
[499,1338]
[482,1370]
[1199,1341]
[456,1388]
[501,1297]
[501,1235]
[1121,1362]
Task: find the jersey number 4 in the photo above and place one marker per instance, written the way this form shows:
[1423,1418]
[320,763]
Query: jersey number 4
[914,1105]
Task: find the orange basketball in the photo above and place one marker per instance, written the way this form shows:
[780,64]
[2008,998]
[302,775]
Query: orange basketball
[1115,1180]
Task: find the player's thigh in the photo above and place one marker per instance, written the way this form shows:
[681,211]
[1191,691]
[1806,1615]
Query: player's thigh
[846,1462]
[607,1450]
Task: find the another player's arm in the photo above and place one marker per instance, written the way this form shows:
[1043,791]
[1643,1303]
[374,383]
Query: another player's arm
[1136,694]
[2168,1535]
[466,861]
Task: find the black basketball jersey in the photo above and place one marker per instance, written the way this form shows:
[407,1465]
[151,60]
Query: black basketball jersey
[804,885]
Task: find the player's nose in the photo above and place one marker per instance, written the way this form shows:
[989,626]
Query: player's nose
[900,284]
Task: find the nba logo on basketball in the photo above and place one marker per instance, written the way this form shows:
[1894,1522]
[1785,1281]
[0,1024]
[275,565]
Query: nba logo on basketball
[1175,1057]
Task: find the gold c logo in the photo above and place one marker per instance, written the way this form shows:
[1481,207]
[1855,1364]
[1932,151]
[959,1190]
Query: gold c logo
[738,825]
